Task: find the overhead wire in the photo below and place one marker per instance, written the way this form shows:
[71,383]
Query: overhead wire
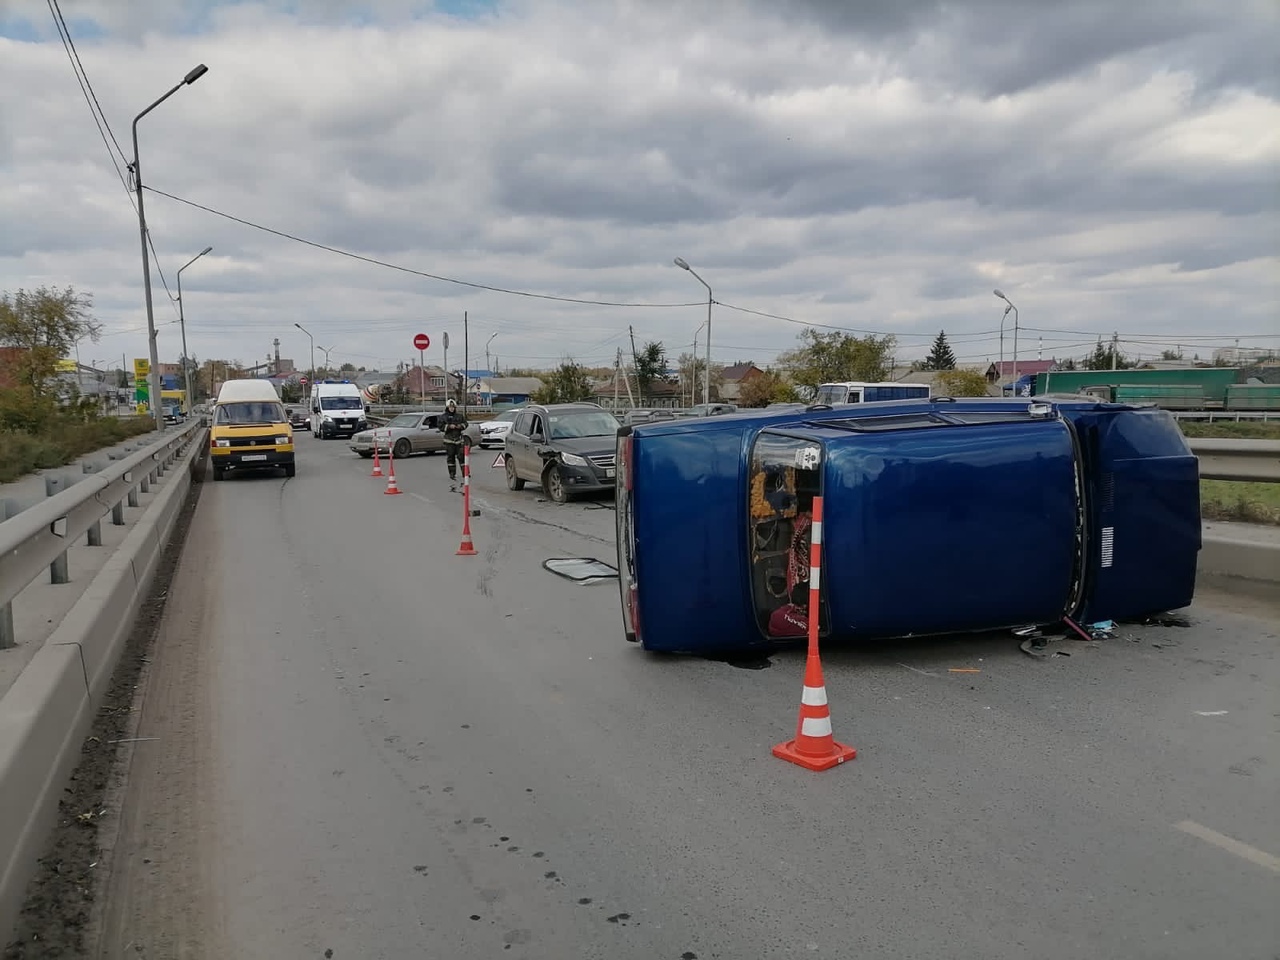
[101,122]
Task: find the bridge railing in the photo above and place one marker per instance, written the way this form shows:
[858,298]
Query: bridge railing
[37,538]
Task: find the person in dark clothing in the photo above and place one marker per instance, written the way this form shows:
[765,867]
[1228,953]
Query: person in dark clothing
[453,424]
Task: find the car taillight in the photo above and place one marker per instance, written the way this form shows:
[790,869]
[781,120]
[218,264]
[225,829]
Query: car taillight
[624,462]
[633,608]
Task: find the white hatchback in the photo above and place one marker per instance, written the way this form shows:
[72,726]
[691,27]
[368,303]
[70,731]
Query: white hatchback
[494,432]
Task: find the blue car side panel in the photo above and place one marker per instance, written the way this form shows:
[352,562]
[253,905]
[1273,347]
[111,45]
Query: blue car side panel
[950,529]
[690,543]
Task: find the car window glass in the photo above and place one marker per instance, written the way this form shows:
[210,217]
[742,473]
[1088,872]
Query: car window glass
[536,426]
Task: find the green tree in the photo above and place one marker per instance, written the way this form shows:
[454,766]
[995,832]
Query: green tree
[1106,357]
[347,368]
[940,357]
[960,383]
[769,387]
[291,391]
[567,383]
[835,357]
[651,364]
[45,325]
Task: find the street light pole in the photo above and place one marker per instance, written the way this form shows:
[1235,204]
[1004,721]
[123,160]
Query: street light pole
[1015,340]
[153,393]
[312,381]
[488,369]
[182,322]
[706,390]
[326,351]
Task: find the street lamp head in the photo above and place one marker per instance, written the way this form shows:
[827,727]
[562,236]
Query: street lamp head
[680,262]
[299,326]
[195,74]
[1007,309]
[206,250]
[1000,295]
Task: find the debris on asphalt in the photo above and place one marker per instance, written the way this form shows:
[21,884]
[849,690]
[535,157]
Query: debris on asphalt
[581,569]
[963,670]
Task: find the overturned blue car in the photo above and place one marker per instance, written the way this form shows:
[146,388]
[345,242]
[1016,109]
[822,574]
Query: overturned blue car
[940,516]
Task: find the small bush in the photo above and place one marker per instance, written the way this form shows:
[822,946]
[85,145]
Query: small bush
[35,434]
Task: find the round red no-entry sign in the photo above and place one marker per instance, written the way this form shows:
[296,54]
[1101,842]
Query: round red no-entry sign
[421,341]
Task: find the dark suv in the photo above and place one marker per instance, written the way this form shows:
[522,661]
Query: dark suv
[567,447]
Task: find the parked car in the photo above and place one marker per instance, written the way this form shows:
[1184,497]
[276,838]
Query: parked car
[298,418]
[1099,501]
[407,434]
[494,432]
[567,447]
[712,409]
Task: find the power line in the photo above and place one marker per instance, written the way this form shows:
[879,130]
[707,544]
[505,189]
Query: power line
[64,29]
[410,270]
[100,121]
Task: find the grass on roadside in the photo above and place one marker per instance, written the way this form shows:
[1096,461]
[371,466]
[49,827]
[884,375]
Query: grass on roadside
[1232,429]
[61,441]
[1239,500]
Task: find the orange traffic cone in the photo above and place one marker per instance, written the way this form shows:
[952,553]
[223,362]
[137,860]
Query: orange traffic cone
[391,477]
[377,461]
[467,549]
[814,746]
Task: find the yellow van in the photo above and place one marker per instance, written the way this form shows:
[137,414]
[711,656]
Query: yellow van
[250,430]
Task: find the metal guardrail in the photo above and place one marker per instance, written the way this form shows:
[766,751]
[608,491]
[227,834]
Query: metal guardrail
[38,537]
[1257,461]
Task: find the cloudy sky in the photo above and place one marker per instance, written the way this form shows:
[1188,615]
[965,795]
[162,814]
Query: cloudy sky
[878,165]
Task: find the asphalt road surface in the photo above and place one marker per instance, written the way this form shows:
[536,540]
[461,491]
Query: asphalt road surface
[368,747]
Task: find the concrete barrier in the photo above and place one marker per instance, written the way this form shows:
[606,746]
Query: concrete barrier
[1240,551]
[46,714]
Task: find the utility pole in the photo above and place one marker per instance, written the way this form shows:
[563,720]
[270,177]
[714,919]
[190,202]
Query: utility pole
[1115,349]
[465,363]
[617,370]
[635,365]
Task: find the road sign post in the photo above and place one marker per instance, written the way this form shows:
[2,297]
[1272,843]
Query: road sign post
[422,341]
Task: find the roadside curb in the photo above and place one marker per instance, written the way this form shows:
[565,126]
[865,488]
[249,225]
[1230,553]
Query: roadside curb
[45,715]
[1230,558]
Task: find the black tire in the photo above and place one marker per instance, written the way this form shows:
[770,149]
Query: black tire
[219,474]
[402,448]
[553,484]
[290,469]
[513,481]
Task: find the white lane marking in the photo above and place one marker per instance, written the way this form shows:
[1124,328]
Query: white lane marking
[419,496]
[1211,713]
[1230,844]
[814,696]
[816,727]
[923,673]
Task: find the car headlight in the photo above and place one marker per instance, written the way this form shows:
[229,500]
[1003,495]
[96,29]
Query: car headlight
[327,419]
[573,459]
[222,443]
[283,440]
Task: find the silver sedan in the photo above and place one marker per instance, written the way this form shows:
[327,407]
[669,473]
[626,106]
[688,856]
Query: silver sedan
[407,434]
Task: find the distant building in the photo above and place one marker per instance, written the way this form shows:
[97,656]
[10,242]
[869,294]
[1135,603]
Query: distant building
[1240,356]
[732,379]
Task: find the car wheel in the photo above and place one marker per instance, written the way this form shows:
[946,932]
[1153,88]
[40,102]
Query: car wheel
[401,449]
[513,482]
[219,474]
[290,469]
[553,484]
